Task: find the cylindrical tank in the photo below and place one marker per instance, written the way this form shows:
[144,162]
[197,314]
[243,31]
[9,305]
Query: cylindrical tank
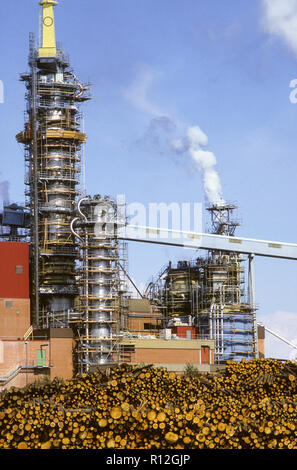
[99,302]
[58,145]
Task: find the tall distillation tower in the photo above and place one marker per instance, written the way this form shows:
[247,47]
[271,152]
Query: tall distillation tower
[225,311]
[102,296]
[53,141]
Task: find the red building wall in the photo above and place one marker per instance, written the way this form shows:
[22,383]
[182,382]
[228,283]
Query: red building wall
[14,270]
[182,332]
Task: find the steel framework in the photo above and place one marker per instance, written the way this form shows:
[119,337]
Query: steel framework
[212,290]
[53,141]
[102,294]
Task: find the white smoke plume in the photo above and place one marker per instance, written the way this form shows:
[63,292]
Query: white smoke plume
[204,160]
[280,19]
[159,135]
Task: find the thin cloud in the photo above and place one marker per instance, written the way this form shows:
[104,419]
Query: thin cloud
[137,93]
[280,19]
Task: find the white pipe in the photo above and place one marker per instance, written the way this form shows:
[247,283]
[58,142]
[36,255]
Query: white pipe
[72,229]
[278,336]
[222,328]
[216,328]
[79,209]
[210,322]
[252,301]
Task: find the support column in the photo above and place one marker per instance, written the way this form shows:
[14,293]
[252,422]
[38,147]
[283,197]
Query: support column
[252,302]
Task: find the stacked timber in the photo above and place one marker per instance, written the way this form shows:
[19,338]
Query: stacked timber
[251,405]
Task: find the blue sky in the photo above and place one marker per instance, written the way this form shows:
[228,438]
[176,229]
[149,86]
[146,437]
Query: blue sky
[196,62]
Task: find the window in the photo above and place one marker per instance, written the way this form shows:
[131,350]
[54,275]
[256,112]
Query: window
[8,303]
[150,326]
[19,269]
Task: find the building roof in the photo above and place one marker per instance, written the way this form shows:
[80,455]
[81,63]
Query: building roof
[139,305]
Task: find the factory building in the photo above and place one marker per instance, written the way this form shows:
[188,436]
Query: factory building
[142,318]
[75,278]
[209,295]
[25,355]
[75,265]
[173,354]
[147,341]
[65,307]
[14,289]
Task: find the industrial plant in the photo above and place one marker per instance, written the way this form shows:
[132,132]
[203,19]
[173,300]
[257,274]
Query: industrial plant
[66,301]
[209,295]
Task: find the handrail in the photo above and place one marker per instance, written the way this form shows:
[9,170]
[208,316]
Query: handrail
[11,374]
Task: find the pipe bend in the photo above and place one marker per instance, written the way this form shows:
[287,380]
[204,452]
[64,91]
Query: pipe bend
[79,209]
[72,229]
[82,89]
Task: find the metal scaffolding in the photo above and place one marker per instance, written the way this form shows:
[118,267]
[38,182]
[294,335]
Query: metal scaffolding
[102,296]
[53,142]
[210,293]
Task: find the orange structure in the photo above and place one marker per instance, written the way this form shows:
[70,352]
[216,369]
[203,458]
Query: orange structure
[45,356]
[26,355]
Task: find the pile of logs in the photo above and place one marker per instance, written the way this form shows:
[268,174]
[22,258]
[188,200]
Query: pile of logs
[250,405]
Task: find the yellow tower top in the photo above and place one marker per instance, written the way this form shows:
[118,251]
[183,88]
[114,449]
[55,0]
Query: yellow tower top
[48,48]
